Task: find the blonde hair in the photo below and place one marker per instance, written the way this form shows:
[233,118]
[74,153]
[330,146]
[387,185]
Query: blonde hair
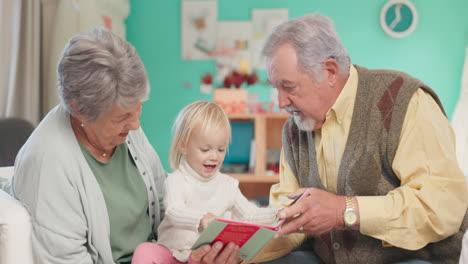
[207,114]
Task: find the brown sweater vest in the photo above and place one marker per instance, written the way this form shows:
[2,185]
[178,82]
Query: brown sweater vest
[381,103]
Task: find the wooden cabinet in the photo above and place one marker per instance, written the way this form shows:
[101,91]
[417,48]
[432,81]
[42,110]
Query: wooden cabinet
[267,136]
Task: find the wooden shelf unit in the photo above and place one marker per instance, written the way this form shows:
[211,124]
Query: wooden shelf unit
[267,135]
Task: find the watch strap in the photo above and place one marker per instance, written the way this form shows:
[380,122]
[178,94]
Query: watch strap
[350,207]
[349,203]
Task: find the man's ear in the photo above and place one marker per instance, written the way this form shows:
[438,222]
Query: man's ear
[332,70]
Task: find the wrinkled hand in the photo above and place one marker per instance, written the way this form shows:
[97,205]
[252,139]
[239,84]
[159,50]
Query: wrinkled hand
[216,254]
[318,213]
[206,219]
[297,193]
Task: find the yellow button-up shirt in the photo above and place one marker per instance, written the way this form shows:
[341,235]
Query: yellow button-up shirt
[432,198]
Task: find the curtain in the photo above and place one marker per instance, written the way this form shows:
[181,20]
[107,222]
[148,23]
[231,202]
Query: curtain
[73,16]
[460,121]
[34,33]
[49,9]
[20,59]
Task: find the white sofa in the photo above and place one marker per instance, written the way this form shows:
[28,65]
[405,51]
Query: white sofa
[464,253]
[15,225]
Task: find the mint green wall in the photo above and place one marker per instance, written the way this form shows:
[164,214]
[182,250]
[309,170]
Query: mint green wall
[434,52]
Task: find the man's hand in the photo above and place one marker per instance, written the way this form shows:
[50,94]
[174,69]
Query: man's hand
[216,254]
[297,193]
[206,219]
[318,213]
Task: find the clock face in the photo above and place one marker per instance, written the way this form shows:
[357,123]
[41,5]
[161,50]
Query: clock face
[398,18]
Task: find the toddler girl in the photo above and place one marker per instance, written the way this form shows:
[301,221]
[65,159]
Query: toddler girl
[196,192]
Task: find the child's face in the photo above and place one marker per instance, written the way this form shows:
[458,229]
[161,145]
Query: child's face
[205,152]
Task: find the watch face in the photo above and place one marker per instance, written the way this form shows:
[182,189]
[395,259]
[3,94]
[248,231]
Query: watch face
[350,218]
[398,18]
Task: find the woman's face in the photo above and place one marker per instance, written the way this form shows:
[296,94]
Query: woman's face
[112,127]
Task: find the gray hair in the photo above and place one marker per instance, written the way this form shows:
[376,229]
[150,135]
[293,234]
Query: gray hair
[98,69]
[315,40]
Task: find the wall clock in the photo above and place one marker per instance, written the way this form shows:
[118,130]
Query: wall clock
[398,18]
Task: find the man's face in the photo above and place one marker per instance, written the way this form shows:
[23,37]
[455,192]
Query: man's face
[308,100]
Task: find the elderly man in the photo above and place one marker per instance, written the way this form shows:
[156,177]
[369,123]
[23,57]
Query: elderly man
[375,146]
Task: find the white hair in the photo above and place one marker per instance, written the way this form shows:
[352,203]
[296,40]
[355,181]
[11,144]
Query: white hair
[314,39]
[306,124]
[97,70]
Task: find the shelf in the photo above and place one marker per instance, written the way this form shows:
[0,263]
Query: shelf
[267,135]
[251,178]
[240,116]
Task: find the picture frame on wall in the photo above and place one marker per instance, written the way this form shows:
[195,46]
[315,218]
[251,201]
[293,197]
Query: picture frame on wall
[232,48]
[199,25]
[263,22]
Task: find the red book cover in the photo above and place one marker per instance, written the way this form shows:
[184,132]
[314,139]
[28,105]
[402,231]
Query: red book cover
[250,237]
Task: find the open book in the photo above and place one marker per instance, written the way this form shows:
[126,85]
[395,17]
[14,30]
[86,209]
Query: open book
[250,238]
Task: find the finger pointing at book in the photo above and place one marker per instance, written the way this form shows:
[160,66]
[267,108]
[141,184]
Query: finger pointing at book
[297,193]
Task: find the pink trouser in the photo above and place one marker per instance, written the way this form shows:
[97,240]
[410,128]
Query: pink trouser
[152,253]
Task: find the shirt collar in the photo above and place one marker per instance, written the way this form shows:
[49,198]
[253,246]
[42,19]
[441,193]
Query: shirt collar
[346,98]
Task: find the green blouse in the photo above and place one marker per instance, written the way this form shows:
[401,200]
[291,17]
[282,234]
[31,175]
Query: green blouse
[126,200]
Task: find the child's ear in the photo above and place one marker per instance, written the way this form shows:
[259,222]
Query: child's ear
[182,149]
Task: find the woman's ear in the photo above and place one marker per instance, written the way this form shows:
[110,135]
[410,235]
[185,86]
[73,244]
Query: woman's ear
[73,109]
[76,114]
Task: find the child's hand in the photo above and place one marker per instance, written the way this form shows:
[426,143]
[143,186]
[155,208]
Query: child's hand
[206,219]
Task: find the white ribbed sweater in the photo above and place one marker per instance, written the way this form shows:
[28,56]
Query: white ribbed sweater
[190,196]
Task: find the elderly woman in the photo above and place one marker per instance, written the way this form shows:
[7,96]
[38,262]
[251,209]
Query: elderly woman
[88,175]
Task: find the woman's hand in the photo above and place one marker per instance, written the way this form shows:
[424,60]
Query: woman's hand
[216,254]
[206,219]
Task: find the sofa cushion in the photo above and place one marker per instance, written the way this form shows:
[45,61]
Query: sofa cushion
[464,252]
[6,174]
[15,231]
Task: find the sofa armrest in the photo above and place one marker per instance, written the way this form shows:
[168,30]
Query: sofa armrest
[15,231]
[464,251]
[6,175]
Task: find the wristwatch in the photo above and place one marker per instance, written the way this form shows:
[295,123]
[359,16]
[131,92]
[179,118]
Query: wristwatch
[349,215]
